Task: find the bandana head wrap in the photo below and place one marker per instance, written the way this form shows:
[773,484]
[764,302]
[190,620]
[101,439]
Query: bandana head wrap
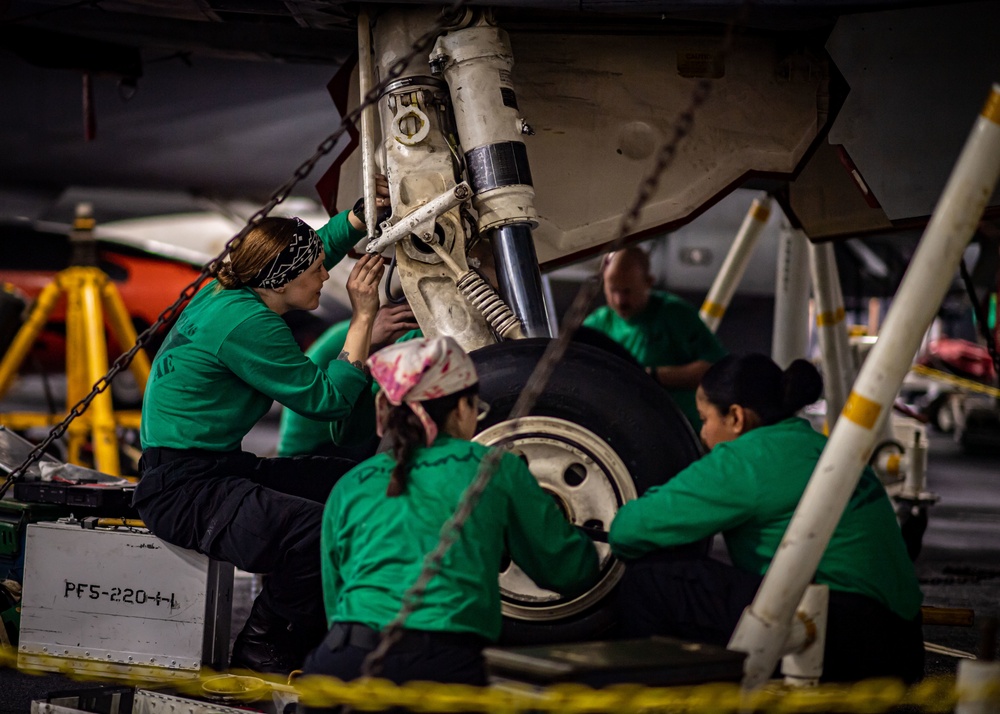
[415,371]
[301,252]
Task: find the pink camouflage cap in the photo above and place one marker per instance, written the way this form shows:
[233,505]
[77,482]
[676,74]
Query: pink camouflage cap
[415,371]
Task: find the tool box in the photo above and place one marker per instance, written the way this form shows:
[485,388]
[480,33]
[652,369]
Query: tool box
[121,602]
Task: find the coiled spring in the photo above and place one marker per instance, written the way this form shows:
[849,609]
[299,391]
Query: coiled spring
[485,299]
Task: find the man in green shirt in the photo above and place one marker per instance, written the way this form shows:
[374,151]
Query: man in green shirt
[662,331]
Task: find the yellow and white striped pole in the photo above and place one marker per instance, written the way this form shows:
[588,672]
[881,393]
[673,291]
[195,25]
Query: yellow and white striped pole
[735,263]
[764,627]
[831,328]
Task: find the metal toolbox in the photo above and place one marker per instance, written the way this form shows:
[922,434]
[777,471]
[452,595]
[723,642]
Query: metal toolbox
[121,602]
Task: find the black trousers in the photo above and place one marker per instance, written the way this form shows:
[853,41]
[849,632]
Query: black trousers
[262,515]
[451,658]
[702,599]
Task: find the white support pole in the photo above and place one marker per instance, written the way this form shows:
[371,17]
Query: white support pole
[791,298]
[831,328]
[735,263]
[803,665]
[366,80]
[764,626]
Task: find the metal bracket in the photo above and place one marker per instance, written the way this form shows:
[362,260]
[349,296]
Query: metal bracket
[421,221]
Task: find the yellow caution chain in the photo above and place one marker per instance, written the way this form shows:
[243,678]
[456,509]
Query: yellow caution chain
[874,696]
[966,384]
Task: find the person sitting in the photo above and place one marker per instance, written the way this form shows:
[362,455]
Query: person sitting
[663,332]
[387,514]
[747,487]
[223,364]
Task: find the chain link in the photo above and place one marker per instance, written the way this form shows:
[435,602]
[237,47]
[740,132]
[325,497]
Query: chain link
[208,270]
[540,376]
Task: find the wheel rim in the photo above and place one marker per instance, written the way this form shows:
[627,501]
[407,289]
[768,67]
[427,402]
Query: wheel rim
[588,481]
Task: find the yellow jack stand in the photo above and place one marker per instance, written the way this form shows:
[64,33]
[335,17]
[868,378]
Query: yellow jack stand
[89,294]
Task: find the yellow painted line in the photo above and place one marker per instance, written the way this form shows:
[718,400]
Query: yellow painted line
[991,110]
[760,212]
[713,309]
[861,410]
[828,319]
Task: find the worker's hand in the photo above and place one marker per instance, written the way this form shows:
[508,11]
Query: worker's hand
[382,209]
[381,190]
[362,285]
[391,323]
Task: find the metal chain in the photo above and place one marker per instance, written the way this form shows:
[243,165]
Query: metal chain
[209,269]
[539,377]
[935,695]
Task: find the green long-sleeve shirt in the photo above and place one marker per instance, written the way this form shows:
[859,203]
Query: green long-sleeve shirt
[667,332]
[299,435]
[229,357]
[748,489]
[373,546]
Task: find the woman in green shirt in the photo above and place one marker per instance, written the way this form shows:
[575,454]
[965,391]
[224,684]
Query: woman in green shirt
[747,488]
[228,358]
[386,515]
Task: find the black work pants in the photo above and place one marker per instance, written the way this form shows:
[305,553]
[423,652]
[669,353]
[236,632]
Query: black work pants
[262,515]
[702,599]
[452,658]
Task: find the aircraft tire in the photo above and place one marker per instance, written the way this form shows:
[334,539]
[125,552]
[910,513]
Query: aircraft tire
[617,403]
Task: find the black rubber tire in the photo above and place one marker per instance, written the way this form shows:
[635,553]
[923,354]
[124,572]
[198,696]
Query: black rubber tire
[614,399]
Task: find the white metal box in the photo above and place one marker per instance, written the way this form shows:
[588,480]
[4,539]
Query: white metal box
[121,602]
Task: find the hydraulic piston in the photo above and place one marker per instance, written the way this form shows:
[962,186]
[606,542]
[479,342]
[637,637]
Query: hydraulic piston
[476,63]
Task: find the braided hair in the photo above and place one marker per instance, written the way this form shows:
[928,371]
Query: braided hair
[406,433]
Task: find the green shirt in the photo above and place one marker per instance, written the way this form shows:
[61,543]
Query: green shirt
[229,357]
[748,489]
[358,427]
[373,546]
[299,435]
[667,333]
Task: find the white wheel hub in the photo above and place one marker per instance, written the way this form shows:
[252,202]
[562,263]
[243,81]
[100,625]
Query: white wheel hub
[587,480]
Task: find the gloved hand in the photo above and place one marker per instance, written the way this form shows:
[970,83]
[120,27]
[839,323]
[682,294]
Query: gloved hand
[383,209]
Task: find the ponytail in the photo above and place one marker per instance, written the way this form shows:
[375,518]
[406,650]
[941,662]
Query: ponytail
[406,433]
[755,382]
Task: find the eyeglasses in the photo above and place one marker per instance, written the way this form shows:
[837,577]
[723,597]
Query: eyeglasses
[482,409]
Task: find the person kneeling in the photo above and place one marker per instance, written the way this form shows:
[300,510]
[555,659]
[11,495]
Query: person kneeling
[747,487]
[384,516]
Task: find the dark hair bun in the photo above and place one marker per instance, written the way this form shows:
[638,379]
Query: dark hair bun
[801,385]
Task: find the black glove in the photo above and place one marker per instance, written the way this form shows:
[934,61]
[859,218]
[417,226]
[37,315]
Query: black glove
[381,213]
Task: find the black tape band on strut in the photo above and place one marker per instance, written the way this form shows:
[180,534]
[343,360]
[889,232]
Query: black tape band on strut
[496,165]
